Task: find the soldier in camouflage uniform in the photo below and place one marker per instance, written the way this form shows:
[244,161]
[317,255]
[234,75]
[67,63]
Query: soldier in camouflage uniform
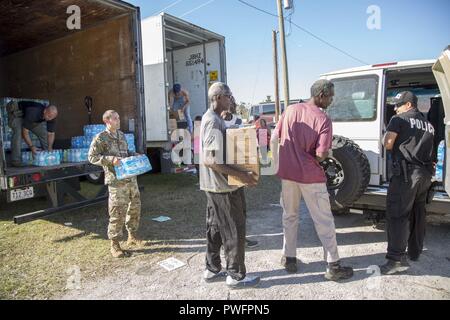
[106,150]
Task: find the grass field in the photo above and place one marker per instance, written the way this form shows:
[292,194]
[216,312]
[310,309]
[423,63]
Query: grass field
[36,258]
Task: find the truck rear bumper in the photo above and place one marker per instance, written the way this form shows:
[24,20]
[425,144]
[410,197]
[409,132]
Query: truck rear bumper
[375,199]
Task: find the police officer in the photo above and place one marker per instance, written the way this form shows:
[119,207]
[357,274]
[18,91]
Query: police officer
[106,150]
[410,138]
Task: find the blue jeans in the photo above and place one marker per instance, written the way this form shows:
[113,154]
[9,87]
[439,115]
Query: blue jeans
[187,116]
[39,129]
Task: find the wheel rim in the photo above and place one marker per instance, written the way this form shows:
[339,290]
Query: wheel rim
[334,173]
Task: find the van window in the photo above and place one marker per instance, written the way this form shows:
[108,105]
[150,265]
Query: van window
[424,95]
[355,99]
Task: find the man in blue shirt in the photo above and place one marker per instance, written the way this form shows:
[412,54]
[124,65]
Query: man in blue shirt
[179,100]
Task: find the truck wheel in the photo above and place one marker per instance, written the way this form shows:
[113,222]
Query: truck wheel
[347,172]
[96,178]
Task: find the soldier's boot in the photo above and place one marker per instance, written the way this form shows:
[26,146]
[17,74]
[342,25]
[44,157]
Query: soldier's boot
[133,240]
[117,251]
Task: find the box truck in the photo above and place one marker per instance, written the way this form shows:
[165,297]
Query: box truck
[85,58]
[176,51]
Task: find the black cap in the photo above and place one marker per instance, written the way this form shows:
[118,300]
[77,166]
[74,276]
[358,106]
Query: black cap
[404,97]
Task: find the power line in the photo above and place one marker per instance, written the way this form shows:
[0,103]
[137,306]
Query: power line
[306,31]
[169,6]
[195,9]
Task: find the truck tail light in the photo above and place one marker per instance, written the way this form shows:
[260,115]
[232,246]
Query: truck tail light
[36,177]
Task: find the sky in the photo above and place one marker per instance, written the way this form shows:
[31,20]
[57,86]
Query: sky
[408,30]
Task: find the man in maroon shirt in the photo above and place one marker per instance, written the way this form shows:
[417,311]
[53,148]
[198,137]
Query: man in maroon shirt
[304,134]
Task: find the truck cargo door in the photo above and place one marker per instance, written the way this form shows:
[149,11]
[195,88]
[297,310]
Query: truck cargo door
[441,71]
[155,84]
[189,71]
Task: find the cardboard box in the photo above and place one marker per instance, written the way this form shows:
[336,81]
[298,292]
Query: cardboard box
[181,115]
[242,152]
[172,124]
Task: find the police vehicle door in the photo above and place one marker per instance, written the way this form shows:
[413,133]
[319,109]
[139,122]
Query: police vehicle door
[441,70]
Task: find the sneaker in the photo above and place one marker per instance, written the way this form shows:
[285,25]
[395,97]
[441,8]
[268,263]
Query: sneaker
[247,282]
[251,243]
[337,272]
[209,276]
[289,263]
[393,267]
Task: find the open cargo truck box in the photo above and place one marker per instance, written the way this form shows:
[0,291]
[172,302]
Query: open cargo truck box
[176,51]
[40,58]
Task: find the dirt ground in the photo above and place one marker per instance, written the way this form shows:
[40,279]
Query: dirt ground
[66,256]
[361,246]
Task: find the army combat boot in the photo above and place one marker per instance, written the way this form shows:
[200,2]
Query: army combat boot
[133,240]
[117,251]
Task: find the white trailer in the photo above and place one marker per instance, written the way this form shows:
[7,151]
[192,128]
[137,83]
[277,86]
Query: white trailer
[175,51]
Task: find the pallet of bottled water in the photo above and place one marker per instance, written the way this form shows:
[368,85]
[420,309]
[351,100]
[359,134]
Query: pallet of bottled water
[132,166]
[91,130]
[440,161]
[130,142]
[81,142]
[75,155]
[44,158]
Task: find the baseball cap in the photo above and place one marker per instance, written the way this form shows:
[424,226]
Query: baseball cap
[176,88]
[404,97]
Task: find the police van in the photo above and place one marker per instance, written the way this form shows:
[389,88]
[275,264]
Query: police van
[359,171]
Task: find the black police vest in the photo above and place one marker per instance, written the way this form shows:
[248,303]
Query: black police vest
[415,138]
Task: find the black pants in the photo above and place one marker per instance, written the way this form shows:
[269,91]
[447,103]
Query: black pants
[405,213]
[225,225]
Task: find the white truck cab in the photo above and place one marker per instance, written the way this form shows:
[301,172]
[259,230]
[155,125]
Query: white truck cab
[361,111]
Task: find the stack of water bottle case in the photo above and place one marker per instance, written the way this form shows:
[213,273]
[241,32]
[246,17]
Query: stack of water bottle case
[440,161]
[78,152]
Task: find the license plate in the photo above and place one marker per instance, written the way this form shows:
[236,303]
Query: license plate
[21,194]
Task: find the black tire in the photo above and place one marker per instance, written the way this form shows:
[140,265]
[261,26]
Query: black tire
[348,174]
[96,177]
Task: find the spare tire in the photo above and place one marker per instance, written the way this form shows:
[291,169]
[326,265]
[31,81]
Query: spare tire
[347,172]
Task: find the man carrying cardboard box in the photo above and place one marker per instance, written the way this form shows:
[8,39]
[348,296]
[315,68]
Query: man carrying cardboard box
[225,215]
[243,137]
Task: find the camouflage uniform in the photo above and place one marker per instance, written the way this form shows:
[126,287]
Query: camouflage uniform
[124,198]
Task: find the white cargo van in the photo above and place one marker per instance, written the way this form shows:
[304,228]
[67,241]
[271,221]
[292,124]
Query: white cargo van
[358,174]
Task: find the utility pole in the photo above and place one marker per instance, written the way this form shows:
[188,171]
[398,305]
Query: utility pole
[283,53]
[275,68]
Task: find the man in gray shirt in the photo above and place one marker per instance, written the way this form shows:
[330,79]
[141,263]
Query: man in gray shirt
[225,214]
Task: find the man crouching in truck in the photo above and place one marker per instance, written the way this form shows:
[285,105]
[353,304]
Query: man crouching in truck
[124,203]
[25,116]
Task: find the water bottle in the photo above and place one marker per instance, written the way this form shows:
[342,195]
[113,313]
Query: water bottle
[78,155]
[41,159]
